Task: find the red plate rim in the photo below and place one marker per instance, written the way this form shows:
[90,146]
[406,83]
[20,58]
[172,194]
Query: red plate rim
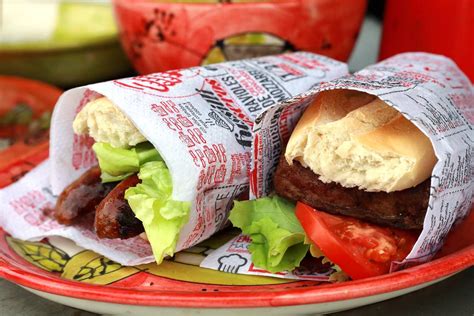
[325,293]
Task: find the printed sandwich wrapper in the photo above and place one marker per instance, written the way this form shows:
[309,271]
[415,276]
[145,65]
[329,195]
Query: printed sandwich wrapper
[201,120]
[431,92]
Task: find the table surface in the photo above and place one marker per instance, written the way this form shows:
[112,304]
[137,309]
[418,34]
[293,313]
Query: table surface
[453,296]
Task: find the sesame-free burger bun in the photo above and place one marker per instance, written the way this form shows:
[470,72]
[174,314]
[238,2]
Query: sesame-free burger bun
[357,140]
[105,123]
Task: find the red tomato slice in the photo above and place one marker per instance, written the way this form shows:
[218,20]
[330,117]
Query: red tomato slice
[362,250]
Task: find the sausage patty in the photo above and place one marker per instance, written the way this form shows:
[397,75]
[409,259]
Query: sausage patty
[113,216]
[402,209]
[81,196]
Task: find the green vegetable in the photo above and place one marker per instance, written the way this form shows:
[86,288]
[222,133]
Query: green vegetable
[277,236]
[150,200]
[118,163]
[161,216]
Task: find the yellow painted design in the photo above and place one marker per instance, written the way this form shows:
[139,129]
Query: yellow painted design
[184,266]
[191,273]
[42,255]
[89,267]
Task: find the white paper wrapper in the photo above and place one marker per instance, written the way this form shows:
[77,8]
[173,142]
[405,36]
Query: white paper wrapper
[25,208]
[234,257]
[427,89]
[201,121]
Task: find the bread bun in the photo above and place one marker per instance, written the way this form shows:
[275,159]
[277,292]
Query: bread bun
[104,122]
[357,140]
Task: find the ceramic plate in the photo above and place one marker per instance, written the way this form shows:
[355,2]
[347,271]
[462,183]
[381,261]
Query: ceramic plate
[58,270]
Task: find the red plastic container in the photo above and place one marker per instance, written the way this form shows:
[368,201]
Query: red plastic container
[436,26]
[158,36]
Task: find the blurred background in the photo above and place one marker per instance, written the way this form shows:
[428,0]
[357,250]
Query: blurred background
[71,42]
[65,43]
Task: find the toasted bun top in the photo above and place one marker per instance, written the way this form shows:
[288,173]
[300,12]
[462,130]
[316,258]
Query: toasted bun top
[104,122]
[357,140]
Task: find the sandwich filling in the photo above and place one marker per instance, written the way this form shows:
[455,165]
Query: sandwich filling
[352,154]
[141,182]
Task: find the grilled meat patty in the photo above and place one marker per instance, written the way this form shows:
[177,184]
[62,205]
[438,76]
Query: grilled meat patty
[401,209]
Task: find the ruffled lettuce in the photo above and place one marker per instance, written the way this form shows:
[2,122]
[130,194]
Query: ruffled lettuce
[277,236]
[161,216]
[118,163]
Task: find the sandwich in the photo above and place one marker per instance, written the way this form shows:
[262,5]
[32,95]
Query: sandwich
[354,183]
[351,154]
[130,190]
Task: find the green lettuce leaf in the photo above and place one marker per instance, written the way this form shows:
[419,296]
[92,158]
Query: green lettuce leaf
[118,163]
[161,216]
[277,236]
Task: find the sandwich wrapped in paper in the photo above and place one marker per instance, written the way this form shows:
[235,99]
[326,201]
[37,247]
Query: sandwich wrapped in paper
[173,151]
[390,146]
